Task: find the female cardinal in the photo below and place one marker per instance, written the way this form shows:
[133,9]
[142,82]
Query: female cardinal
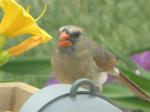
[75,56]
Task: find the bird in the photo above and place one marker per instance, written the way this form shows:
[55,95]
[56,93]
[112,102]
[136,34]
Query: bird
[76,56]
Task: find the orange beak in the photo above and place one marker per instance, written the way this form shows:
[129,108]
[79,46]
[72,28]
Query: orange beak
[64,40]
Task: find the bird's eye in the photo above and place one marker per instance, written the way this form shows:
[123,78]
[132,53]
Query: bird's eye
[75,34]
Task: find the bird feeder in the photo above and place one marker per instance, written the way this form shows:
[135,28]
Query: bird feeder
[69,98]
[14,95]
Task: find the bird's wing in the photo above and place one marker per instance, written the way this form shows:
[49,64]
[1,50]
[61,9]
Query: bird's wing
[107,61]
[103,58]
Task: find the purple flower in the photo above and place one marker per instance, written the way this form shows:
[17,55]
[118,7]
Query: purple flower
[52,81]
[142,59]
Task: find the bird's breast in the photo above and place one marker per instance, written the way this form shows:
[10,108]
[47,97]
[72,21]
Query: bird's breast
[74,66]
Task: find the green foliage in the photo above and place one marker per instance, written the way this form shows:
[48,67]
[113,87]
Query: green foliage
[28,66]
[120,25]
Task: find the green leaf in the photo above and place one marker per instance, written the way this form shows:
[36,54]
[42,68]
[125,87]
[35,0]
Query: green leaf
[115,90]
[139,50]
[32,79]
[124,98]
[27,66]
[141,81]
[132,103]
[145,73]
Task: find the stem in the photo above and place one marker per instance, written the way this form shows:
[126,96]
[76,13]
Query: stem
[4,57]
[2,41]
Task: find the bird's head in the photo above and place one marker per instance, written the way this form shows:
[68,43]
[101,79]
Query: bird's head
[69,36]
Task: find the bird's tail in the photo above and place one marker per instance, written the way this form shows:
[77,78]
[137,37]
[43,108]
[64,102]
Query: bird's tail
[133,87]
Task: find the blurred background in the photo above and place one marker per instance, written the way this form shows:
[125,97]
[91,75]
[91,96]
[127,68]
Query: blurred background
[122,26]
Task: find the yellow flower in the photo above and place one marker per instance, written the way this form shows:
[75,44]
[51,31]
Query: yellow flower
[17,21]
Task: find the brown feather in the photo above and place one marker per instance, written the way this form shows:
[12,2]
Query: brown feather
[103,58]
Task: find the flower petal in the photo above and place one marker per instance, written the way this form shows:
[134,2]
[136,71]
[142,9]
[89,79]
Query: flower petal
[13,17]
[25,46]
[137,58]
[142,59]
[146,60]
[34,29]
[17,21]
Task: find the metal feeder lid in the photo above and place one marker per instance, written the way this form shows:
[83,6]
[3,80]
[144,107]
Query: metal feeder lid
[68,98]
